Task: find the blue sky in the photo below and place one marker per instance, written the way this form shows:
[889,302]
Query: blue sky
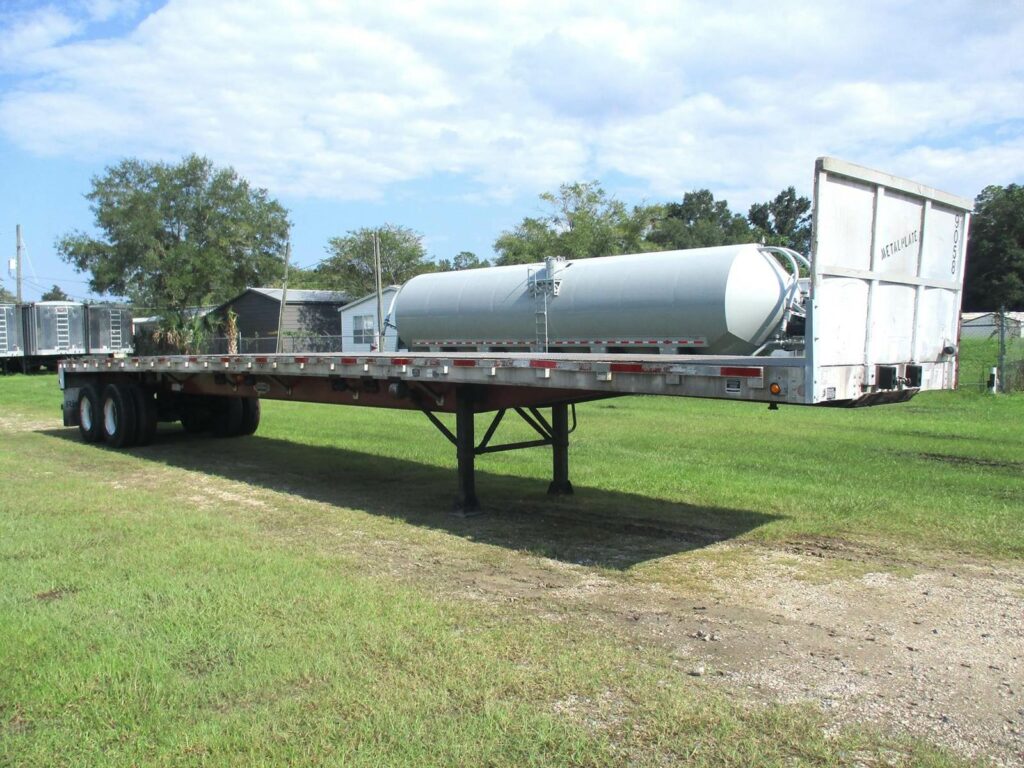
[451,117]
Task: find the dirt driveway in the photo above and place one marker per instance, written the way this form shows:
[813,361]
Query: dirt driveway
[934,651]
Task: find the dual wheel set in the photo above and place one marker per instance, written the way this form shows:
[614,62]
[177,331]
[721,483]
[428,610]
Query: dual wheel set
[125,414]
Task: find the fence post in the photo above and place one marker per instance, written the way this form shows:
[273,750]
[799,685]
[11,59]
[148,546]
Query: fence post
[1001,383]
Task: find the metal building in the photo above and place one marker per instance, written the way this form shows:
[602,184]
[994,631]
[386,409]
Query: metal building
[310,321]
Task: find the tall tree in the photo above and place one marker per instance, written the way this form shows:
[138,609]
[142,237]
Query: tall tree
[349,265]
[785,221]
[55,294]
[581,221]
[462,260]
[995,250]
[180,235]
[699,221]
[6,297]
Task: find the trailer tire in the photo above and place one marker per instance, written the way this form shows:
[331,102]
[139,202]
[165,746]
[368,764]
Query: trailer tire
[145,415]
[89,414]
[195,420]
[250,415]
[227,419]
[119,416]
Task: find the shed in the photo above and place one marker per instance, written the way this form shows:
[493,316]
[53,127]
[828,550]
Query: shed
[310,322]
[359,323]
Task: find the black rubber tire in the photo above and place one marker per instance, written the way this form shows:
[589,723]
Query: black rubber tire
[195,421]
[250,415]
[145,415]
[90,420]
[118,416]
[227,418]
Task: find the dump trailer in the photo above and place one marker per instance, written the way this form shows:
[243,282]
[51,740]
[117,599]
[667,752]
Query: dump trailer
[870,318]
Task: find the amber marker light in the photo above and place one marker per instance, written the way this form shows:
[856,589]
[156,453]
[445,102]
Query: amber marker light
[775,389]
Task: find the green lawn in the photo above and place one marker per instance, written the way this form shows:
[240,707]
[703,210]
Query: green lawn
[155,612]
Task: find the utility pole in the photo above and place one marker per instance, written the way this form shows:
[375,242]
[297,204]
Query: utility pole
[284,295]
[21,247]
[379,335]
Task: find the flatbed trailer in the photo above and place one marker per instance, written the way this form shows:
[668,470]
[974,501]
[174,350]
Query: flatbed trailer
[882,324]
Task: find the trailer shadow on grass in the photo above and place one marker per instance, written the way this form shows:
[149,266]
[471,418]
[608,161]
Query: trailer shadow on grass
[609,529]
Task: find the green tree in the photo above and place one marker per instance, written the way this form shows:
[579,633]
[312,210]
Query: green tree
[581,222]
[994,274]
[55,294]
[6,297]
[462,260]
[699,221]
[180,235]
[349,265]
[785,221]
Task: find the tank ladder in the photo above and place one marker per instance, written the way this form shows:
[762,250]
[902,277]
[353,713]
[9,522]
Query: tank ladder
[63,328]
[115,329]
[541,288]
[3,332]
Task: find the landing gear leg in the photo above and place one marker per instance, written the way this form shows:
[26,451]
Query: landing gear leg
[466,503]
[560,485]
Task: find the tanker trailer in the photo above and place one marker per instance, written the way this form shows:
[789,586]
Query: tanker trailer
[729,300]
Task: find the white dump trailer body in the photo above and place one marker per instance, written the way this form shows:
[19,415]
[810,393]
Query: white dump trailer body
[726,300]
[886,283]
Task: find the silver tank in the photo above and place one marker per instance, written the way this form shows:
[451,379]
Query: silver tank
[11,343]
[55,328]
[110,329]
[725,300]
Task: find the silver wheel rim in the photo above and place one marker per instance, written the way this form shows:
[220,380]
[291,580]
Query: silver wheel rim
[85,414]
[109,418]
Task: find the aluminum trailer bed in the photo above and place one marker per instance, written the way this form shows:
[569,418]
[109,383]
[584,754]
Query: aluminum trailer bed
[882,325]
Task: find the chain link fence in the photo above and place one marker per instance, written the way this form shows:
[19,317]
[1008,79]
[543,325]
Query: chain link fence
[992,352]
[259,345]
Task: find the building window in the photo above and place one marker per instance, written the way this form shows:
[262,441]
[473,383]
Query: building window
[362,329]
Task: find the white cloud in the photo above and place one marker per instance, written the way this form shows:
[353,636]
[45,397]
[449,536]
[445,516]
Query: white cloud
[26,34]
[345,100]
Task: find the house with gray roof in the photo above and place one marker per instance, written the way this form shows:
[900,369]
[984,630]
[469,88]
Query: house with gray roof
[311,322]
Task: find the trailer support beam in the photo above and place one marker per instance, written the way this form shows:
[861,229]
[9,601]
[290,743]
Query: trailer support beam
[560,485]
[466,502]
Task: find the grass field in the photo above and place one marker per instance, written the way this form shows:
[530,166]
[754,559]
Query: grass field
[155,611]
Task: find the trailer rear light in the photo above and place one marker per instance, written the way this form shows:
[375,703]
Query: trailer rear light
[400,361]
[464,363]
[543,364]
[775,389]
[750,373]
[627,367]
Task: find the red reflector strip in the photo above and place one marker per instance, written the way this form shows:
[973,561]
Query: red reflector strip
[193,359]
[543,364]
[400,360]
[464,363]
[627,367]
[261,360]
[348,361]
[301,359]
[225,359]
[751,373]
